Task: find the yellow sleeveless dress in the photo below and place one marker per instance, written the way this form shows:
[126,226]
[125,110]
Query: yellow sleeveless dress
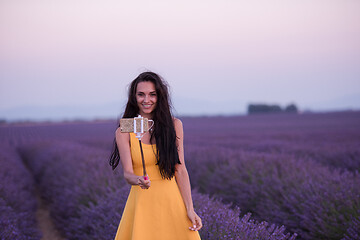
[157,213]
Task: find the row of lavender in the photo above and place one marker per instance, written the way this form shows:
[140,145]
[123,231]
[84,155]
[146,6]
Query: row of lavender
[86,198]
[331,139]
[308,198]
[298,170]
[17,199]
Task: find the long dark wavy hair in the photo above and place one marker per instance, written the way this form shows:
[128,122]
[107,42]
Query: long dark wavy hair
[163,130]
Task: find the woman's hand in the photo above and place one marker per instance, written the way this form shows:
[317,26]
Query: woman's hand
[144,184]
[195,219]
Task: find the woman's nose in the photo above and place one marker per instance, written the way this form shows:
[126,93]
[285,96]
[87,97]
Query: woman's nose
[146,99]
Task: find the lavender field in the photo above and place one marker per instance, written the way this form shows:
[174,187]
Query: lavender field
[253,177]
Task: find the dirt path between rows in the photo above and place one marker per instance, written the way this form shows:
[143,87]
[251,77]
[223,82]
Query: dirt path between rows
[45,223]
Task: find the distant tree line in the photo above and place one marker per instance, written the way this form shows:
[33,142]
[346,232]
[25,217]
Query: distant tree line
[265,108]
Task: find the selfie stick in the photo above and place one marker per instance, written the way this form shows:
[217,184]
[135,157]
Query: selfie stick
[139,136]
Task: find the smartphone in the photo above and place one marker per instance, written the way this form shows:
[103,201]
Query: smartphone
[141,124]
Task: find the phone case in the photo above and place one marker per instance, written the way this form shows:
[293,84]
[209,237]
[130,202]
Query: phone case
[127,125]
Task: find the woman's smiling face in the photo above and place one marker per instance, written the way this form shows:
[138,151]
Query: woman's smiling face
[146,98]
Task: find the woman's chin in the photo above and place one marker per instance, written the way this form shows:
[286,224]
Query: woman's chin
[146,112]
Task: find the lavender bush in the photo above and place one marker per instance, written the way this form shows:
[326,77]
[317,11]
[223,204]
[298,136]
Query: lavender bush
[353,232]
[85,197]
[301,171]
[305,196]
[332,139]
[223,222]
[17,199]
[72,171]
[288,169]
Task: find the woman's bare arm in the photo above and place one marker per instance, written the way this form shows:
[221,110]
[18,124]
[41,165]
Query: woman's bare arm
[123,144]
[182,178]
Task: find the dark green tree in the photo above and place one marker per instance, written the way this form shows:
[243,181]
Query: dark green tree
[291,108]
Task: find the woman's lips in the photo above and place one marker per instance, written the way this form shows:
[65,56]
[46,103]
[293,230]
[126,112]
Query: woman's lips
[147,105]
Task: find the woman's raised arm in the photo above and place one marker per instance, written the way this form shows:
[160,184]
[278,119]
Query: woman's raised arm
[123,144]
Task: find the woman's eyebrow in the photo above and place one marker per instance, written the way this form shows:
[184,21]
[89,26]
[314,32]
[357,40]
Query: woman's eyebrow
[144,92]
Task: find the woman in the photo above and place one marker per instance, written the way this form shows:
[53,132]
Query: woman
[159,205]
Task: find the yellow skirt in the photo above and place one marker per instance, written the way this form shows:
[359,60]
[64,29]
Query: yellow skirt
[157,213]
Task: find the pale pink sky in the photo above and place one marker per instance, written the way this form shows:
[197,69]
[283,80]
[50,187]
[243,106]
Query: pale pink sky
[60,52]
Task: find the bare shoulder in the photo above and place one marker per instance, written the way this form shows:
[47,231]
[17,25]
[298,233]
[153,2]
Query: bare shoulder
[121,136]
[178,127]
[177,123]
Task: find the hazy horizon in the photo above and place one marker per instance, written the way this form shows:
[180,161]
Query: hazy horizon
[106,112]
